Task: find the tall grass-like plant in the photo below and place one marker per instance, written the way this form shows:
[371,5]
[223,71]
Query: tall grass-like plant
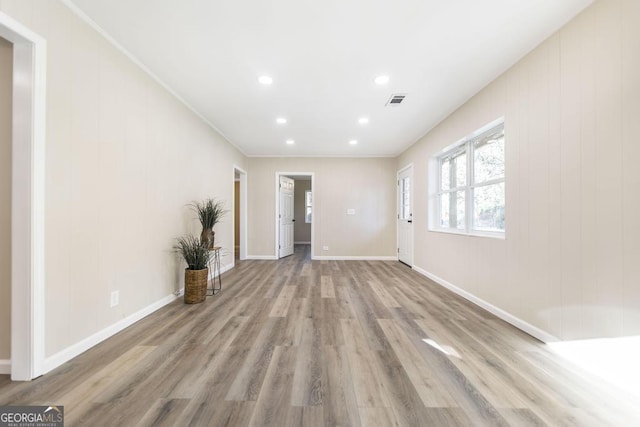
[196,256]
[210,212]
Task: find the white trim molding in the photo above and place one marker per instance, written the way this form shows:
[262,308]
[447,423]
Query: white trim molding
[262,257]
[355,258]
[5,367]
[227,267]
[28,198]
[507,317]
[78,348]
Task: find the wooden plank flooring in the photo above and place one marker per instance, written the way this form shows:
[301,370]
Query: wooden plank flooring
[297,342]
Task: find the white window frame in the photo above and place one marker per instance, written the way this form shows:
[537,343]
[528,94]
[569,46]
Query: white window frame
[467,145]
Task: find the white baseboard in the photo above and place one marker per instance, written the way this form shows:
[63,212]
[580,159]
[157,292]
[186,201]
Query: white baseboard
[227,267]
[262,257]
[5,367]
[301,243]
[355,258]
[507,317]
[78,348]
[332,258]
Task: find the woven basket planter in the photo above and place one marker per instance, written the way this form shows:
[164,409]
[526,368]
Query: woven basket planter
[195,285]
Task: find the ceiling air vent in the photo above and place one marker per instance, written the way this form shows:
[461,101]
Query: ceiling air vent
[396,99]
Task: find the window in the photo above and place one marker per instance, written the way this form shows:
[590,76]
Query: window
[471,183]
[405,198]
[307,207]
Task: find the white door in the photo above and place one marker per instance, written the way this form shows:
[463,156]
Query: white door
[405,216]
[286,219]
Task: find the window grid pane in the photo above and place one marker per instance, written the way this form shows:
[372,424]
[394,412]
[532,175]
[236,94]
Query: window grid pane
[489,157]
[405,198]
[444,210]
[308,200]
[472,177]
[461,170]
[460,210]
[488,207]
[445,180]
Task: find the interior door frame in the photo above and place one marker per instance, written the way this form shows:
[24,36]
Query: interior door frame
[243,210]
[411,192]
[28,195]
[292,175]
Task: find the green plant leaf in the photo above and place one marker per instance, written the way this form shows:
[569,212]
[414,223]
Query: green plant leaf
[196,256]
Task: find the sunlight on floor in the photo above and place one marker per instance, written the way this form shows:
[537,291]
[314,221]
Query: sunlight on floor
[612,359]
[448,350]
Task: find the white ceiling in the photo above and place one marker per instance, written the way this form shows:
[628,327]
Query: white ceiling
[323,57]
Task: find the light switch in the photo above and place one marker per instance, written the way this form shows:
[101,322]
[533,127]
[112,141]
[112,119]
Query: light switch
[351,211]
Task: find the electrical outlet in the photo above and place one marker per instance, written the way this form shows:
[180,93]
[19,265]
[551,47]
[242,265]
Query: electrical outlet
[351,211]
[325,248]
[115,298]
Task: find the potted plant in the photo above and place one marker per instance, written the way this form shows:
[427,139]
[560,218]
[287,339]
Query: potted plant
[196,275]
[210,212]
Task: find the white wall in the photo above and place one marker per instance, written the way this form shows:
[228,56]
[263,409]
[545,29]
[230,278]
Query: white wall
[569,264]
[6,72]
[366,185]
[123,159]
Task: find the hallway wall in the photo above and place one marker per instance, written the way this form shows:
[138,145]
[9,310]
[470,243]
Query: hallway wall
[569,263]
[367,185]
[123,159]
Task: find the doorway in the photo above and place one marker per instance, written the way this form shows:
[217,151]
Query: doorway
[405,215]
[286,219]
[28,194]
[239,213]
[294,212]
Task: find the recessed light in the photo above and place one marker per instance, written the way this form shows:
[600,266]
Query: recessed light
[363,120]
[290,142]
[382,80]
[281,120]
[265,80]
[353,142]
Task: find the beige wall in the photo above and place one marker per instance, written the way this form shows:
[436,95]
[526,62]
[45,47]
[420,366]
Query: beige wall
[123,159]
[302,229]
[569,264]
[366,185]
[6,71]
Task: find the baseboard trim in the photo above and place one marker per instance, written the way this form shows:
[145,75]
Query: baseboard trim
[262,257]
[355,258]
[78,348]
[301,243]
[227,267]
[5,367]
[507,317]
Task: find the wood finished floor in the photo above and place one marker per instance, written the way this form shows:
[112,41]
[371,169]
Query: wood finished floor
[336,343]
